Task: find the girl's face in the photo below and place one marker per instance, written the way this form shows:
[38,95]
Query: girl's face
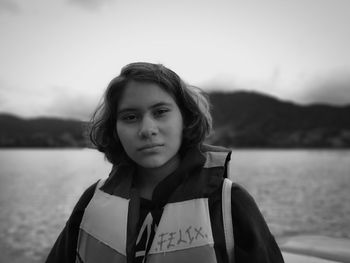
[149,125]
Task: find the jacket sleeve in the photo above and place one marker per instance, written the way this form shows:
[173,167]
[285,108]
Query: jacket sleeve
[64,249]
[253,240]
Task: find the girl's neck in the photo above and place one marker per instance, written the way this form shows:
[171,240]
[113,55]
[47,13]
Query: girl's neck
[148,178]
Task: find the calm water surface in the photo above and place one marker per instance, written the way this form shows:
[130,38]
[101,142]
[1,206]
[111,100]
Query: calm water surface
[298,192]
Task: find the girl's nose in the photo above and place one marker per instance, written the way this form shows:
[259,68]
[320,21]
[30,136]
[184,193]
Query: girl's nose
[148,128]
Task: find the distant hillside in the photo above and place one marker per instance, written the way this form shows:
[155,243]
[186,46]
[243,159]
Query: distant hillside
[241,119]
[40,132]
[248,119]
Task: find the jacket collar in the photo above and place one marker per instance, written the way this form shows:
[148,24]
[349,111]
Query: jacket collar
[120,180]
[191,162]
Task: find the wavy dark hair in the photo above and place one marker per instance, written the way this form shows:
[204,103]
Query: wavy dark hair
[192,102]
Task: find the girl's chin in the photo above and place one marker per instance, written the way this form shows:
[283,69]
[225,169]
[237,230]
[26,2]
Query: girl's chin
[155,162]
[158,162]
[151,164]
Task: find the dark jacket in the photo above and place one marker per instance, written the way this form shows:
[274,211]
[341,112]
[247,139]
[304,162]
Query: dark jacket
[253,240]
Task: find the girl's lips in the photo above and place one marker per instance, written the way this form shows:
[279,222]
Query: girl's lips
[150,146]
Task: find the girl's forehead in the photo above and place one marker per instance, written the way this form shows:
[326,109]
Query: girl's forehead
[144,94]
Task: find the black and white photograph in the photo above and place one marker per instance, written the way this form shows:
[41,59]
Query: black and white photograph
[174,131]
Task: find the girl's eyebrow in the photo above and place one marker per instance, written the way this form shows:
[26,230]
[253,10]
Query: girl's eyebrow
[159,104]
[156,105]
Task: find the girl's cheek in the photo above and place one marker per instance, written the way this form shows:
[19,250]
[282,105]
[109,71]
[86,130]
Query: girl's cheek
[126,131]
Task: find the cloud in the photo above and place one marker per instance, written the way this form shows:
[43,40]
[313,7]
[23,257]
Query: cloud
[75,107]
[20,102]
[55,101]
[67,104]
[332,89]
[90,4]
[9,6]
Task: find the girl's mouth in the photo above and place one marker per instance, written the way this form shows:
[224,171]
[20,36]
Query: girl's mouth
[150,146]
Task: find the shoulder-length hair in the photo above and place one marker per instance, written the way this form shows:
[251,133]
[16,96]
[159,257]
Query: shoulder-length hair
[192,102]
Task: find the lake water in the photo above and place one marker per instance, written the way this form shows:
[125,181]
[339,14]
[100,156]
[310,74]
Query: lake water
[298,191]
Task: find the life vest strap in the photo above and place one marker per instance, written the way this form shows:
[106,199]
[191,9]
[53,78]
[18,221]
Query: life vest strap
[227,218]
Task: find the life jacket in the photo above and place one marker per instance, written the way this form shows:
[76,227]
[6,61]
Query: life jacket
[184,233]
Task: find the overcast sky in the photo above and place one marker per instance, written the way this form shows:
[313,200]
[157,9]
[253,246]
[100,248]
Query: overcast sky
[57,57]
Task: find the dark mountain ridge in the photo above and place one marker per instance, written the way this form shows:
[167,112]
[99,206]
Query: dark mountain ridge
[250,119]
[41,132]
[240,119]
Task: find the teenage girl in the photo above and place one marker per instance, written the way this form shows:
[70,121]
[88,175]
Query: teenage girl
[162,201]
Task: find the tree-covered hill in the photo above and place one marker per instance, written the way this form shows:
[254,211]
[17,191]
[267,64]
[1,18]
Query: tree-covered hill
[241,119]
[249,119]
[41,132]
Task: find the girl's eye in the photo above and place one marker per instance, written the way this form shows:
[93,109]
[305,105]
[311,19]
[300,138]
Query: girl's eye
[129,117]
[161,112]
